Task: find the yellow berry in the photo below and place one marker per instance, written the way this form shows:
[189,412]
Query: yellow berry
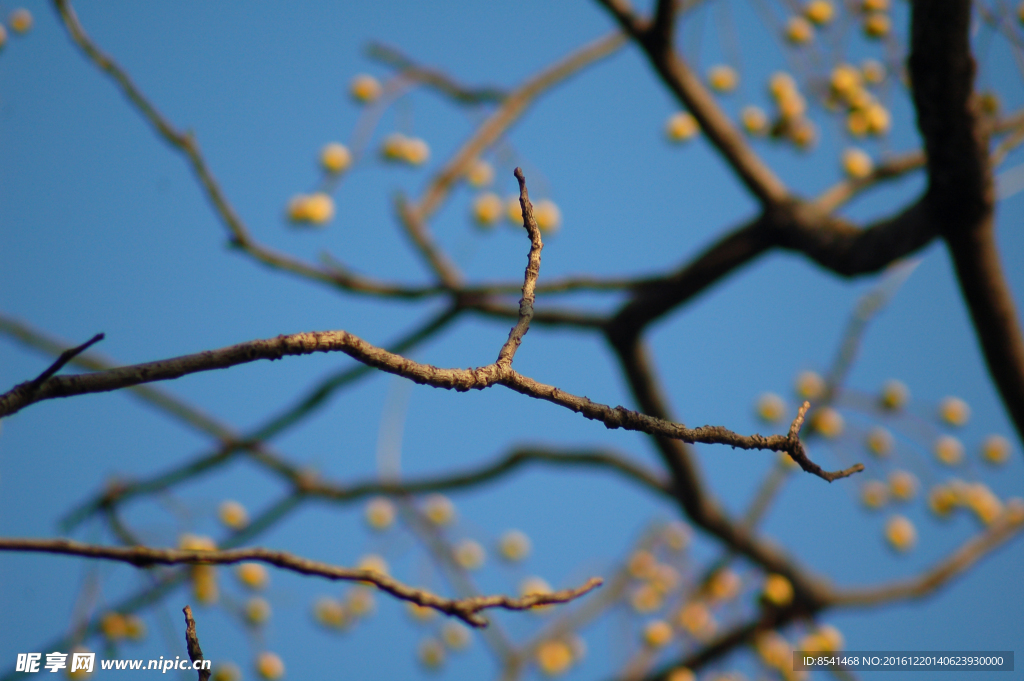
[335,158]
[830,637]
[360,601]
[771,408]
[113,626]
[773,649]
[681,674]
[819,11]
[514,211]
[657,633]
[196,542]
[954,411]
[755,120]
[227,671]
[676,536]
[873,71]
[480,173]
[20,21]
[723,78]
[487,209]
[799,31]
[786,461]
[985,504]
[778,590]
[416,151]
[949,450]
[365,88]
[330,612]
[252,575]
[420,613]
[857,163]
[233,515]
[792,105]
[641,564]
[989,102]
[547,215]
[878,119]
[875,5]
[942,500]
[809,385]
[135,628]
[373,563]
[995,449]
[534,586]
[877,25]
[843,80]
[902,485]
[900,533]
[665,579]
[828,422]
[514,546]
[681,126]
[724,585]
[857,123]
[874,494]
[895,395]
[470,555]
[439,509]
[431,653]
[696,619]
[456,636]
[781,85]
[314,209]
[554,657]
[879,441]
[257,610]
[646,598]
[393,147]
[269,666]
[803,133]
[380,513]
[204,584]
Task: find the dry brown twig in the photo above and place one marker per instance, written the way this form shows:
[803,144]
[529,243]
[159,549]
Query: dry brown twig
[195,653]
[143,556]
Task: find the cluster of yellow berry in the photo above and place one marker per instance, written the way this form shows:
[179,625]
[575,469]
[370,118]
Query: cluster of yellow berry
[800,28]
[792,122]
[488,208]
[20,23]
[902,486]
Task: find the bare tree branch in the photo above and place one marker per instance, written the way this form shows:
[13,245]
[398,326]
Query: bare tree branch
[195,653]
[515,336]
[141,556]
[435,78]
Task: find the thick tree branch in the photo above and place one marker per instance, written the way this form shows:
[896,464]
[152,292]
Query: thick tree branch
[655,40]
[465,609]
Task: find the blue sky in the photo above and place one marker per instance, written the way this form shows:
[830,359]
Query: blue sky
[104,228]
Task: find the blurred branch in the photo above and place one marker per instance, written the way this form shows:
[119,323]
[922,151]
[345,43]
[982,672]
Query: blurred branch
[414,216]
[451,379]
[654,38]
[844,190]
[435,78]
[1002,529]
[140,556]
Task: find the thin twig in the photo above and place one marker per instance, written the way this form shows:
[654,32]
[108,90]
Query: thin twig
[142,556]
[195,653]
[515,336]
[460,380]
